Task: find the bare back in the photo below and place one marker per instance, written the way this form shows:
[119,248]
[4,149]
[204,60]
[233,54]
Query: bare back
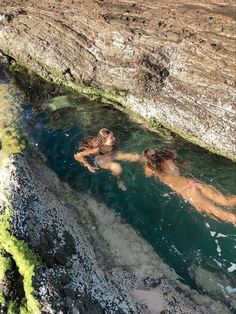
[199,195]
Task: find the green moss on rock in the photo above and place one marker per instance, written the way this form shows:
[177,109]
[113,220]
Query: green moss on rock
[56,76]
[11,307]
[156,125]
[25,259]
[12,141]
[5,265]
[2,299]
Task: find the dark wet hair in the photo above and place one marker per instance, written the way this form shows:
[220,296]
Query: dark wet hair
[155,157]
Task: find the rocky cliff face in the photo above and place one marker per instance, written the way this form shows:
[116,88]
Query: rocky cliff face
[173,63]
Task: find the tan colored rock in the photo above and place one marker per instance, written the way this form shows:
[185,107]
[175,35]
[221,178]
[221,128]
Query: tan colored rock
[171,61]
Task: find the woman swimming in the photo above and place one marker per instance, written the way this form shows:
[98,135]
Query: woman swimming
[101,148]
[163,165]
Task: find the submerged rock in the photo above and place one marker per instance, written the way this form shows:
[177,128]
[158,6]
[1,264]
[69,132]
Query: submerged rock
[213,283]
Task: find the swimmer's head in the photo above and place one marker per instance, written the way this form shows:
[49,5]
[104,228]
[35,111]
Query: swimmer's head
[150,153]
[107,137]
[155,157]
[151,158]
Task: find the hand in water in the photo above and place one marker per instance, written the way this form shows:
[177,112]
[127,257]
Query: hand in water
[92,169]
[121,185]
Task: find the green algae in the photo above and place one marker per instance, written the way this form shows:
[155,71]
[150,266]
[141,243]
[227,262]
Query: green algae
[2,298]
[5,263]
[156,125]
[12,140]
[25,259]
[11,307]
[56,76]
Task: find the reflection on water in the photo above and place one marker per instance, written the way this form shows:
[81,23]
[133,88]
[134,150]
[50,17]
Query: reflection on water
[199,248]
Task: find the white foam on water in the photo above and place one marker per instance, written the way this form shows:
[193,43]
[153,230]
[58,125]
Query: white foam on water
[221,235]
[217,262]
[174,249]
[212,233]
[231,268]
[218,249]
[230,290]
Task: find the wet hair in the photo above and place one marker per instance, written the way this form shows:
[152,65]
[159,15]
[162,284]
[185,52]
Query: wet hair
[94,141]
[155,157]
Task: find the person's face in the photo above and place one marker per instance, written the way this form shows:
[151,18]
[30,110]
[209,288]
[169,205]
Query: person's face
[151,154]
[108,137]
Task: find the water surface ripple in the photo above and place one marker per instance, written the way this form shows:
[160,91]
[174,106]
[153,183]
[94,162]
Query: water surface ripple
[200,249]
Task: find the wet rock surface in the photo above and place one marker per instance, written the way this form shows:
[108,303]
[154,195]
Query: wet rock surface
[83,269]
[172,63]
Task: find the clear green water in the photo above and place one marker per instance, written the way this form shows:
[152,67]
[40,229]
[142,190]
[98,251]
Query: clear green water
[188,242]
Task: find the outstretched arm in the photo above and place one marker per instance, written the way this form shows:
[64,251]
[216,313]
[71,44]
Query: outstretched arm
[80,157]
[133,157]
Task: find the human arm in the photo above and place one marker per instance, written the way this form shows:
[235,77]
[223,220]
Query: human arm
[133,157]
[80,157]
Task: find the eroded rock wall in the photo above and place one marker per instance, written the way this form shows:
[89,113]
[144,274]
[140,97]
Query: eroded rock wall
[171,62]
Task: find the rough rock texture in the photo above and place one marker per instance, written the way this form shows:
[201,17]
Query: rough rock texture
[83,248]
[172,62]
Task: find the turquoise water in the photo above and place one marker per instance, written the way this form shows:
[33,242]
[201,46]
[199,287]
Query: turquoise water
[200,249]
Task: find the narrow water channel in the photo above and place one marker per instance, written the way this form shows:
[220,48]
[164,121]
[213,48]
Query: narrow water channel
[200,249]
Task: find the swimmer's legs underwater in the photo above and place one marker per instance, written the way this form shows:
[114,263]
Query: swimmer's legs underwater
[106,162]
[202,204]
[216,197]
